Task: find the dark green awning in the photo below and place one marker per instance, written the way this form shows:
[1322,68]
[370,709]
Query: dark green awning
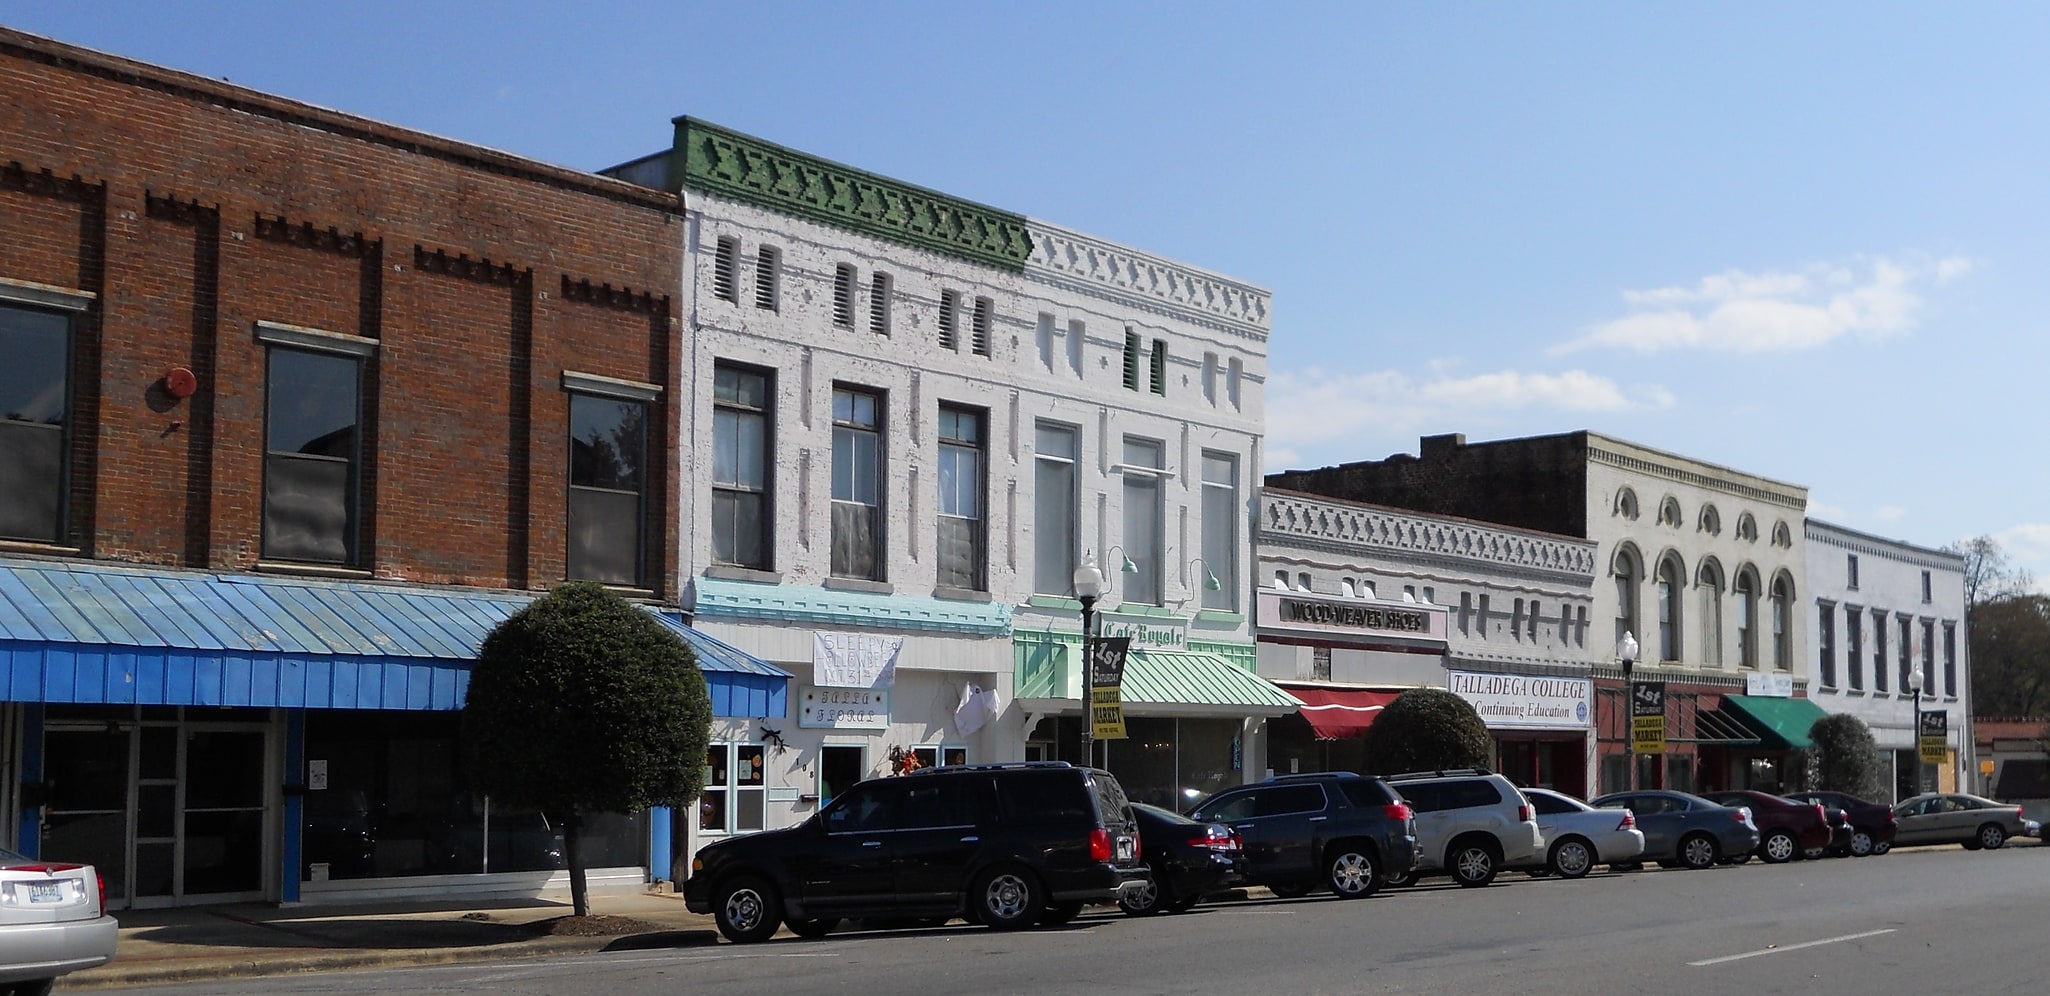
[1781,724]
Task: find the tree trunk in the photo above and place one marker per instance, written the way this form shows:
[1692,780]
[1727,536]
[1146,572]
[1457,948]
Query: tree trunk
[573,855]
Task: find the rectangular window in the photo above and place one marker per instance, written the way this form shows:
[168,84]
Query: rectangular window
[607,482]
[1143,520]
[1210,378]
[950,320]
[35,405]
[736,789]
[1220,531]
[766,276]
[1878,650]
[1927,588]
[1131,360]
[741,498]
[879,304]
[857,484]
[1851,571]
[311,453]
[1905,634]
[963,531]
[1054,499]
[1950,659]
[1045,333]
[979,332]
[843,296]
[1854,646]
[1234,372]
[725,270]
[1157,380]
[1078,333]
[1825,642]
[1929,675]
[1320,663]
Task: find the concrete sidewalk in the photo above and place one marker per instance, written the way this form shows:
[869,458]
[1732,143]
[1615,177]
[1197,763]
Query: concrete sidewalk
[253,939]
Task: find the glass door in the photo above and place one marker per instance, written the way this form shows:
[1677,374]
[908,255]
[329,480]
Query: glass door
[85,774]
[222,837]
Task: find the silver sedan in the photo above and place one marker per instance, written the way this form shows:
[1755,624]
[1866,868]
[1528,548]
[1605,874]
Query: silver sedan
[53,921]
[1579,836]
[1957,818]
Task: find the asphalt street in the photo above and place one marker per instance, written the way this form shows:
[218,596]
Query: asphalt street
[1929,920]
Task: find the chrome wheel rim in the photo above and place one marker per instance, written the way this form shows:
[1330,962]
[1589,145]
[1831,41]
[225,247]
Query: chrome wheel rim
[744,909]
[1779,847]
[1992,837]
[1143,898]
[1005,897]
[1475,864]
[1700,853]
[1861,844]
[1573,859]
[1351,872]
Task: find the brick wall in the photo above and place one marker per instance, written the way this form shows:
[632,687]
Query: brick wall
[1537,483]
[194,209]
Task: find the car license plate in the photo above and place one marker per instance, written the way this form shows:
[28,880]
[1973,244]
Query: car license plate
[1124,848]
[45,892]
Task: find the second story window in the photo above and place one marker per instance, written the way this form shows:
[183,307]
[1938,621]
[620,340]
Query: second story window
[742,504]
[35,405]
[1144,522]
[1220,532]
[1879,650]
[1054,500]
[607,484]
[312,452]
[1950,659]
[1854,647]
[962,532]
[857,489]
[1825,643]
[767,273]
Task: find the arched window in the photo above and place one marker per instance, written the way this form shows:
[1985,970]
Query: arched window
[1302,582]
[1669,512]
[1626,503]
[1782,537]
[1747,618]
[1711,520]
[1629,573]
[1710,582]
[1782,622]
[1747,528]
[1671,576]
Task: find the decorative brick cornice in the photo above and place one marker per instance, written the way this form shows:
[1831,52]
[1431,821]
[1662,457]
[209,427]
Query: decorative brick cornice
[462,267]
[1092,266]
[43,183]
[617,298]
[1786,497]
[304,235]
[184,212]
[1837,536]
[721,161]
[1343,527]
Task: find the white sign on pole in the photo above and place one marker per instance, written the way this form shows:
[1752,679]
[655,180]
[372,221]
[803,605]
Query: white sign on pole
[854,660]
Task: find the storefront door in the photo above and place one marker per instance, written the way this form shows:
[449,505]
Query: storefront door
[170,811]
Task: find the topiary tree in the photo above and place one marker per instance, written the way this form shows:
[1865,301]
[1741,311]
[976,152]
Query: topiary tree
[1846,758]
[1427,729]
[582,703]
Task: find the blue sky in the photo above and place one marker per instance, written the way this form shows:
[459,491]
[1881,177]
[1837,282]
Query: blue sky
[1806,243]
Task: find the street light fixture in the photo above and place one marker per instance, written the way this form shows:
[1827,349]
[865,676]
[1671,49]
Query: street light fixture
[1626,653]
[1210,582]
[1088,582]
[1915,679]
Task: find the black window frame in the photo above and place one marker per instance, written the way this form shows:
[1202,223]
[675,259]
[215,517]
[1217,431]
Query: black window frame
[571,488]
[279,340]
[68,309]
[766,513]
[977,575]
[879,512]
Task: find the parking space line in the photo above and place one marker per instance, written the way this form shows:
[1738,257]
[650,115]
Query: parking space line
[1782,949]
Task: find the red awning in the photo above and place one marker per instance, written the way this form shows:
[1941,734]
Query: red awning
[1340,713]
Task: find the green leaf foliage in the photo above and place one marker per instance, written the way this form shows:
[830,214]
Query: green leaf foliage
[583,703]
[1846,758]
[1427,729]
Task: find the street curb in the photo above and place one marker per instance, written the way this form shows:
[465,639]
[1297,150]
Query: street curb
[298,961]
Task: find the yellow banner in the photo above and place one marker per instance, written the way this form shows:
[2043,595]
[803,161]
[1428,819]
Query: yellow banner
[1935,750]
[1107,713]
[1648,734]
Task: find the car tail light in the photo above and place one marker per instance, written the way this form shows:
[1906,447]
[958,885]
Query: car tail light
[1216,838]
[1629,821]
[1525,814]
[1398,811]
[1744,815]
[1820,815]
[1099,845]
[102,879]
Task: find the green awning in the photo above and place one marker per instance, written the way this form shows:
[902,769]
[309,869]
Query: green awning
[1781,724]
[1170,682]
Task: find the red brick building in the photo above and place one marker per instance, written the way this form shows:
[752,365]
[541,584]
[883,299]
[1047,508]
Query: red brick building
[293,405]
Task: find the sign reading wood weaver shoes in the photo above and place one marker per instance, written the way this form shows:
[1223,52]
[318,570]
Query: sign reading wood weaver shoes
[1648,717]
[1106,698]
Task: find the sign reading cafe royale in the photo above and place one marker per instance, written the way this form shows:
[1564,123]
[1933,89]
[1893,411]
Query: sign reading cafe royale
[1525,701]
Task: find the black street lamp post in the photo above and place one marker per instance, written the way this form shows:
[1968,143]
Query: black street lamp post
[1088,588]
[1626,652]
[1915,678]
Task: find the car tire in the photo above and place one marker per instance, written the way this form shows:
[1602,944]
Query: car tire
[31,987]
[1006,897]
[1881,846]
[1573,857]
[1185,904]
[1400,880]
[1992,836]
[1626,866]
[746,910]
[1815,854]
[1152,899]
[813,927]
[1862,844]
[1059,913]
[1474,862]
[1778,848]
[1351,872]
[1291,890]
[1698,851]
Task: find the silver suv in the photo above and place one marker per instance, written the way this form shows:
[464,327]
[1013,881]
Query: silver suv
[1470,823]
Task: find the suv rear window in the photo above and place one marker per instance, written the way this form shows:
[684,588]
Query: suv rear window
[1047,795]
[1366,794]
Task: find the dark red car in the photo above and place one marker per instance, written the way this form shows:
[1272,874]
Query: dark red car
[1785,828]
[1872,823]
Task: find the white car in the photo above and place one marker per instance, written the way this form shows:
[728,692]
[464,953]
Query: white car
[53,921]
[1580,835]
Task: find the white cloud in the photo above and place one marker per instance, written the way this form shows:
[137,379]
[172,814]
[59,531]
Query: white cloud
[1736,311]
[1889,513]
[1826,512]
[2027,546]
[1316,407]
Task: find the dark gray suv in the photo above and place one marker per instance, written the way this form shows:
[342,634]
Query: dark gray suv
[1006,845]
[1336,830]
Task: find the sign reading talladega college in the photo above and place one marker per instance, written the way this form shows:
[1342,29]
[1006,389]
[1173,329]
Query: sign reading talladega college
[1528,702]
[1358,619]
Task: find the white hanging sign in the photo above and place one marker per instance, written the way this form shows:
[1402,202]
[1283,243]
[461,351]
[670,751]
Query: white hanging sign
[854,660]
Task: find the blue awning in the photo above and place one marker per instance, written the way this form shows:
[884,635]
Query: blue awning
[77,632]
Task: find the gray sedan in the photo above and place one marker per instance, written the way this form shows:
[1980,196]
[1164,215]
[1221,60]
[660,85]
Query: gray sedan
[53,921]
[1579,836]
[1682,830]
[1957,818]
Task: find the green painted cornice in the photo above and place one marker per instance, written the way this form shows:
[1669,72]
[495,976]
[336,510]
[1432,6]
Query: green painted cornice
[804,606]
[725,162]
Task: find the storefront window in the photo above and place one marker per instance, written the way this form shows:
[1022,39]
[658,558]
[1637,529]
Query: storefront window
[736,789]
[1174,762]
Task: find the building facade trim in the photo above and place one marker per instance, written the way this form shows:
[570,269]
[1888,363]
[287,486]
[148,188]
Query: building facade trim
[715,598]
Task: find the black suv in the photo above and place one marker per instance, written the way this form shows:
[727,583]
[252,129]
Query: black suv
[1006,845]
[1339,830]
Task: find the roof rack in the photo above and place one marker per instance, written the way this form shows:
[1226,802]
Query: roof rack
[993,766]
[1441,773]
[1304,775]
